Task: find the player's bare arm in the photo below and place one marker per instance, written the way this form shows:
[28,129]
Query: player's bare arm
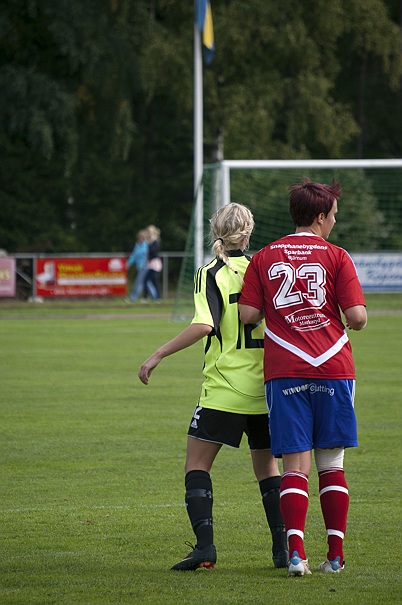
[356,317]
[250,315]
[192,334]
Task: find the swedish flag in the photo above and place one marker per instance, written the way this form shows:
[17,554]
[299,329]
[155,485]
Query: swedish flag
[203,20]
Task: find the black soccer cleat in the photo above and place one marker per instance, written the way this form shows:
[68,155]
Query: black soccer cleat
[198,557]
[281,559]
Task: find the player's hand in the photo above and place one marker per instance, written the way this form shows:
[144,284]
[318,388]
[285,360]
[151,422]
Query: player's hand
[147,368]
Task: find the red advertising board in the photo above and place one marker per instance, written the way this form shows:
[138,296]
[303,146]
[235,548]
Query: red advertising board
[81,276]
[7,277]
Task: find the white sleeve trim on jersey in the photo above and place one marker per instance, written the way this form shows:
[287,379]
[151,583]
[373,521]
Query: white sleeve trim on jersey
[314,361]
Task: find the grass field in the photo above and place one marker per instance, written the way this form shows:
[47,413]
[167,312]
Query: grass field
[92,470]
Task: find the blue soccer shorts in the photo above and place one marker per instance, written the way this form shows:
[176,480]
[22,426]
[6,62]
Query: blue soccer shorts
[307,413]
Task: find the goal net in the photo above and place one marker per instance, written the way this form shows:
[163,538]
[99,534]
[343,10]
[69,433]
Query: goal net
[369,217]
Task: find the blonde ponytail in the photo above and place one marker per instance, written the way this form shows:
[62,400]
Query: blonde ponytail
[231,228]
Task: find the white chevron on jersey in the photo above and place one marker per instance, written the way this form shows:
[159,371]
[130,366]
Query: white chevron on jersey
[314,361]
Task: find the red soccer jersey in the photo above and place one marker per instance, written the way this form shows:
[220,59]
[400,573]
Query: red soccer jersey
[301,282]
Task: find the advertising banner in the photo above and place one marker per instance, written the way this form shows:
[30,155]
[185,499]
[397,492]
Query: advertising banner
[7,277]
[81,276]
[379,271]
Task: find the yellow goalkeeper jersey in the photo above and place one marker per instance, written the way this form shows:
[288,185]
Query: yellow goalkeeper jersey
[233,367]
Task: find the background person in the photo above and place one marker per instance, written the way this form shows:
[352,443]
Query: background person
[300,283]
[139,258]
[154,263]
[232,398]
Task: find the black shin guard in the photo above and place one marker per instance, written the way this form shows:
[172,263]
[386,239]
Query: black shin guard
[270,498]
[199,502]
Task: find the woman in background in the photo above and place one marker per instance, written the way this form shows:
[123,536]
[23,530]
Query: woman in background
[154,262]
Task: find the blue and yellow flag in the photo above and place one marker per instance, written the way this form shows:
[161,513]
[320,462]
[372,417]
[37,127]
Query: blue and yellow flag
[203,20]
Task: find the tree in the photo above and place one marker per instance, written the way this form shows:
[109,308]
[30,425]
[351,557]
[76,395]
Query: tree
[371,75]
[96,105]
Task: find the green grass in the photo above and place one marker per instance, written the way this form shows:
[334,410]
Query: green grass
[116,305]
[92,461]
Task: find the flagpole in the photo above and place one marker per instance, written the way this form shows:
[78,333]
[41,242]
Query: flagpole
[198,152]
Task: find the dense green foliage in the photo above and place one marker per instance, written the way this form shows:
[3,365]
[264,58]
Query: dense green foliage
[96,106]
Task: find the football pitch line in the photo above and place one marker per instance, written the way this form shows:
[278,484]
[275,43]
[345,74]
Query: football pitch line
[103,316]
[35,509]
[140,316]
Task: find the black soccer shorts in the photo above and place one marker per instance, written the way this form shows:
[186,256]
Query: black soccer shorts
[227,428]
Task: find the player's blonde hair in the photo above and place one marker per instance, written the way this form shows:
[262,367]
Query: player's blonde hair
[230,229]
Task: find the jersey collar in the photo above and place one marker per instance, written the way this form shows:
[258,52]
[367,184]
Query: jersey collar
[235,253]
[304,233]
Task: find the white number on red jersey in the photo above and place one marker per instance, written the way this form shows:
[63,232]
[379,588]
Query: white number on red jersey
[287,295]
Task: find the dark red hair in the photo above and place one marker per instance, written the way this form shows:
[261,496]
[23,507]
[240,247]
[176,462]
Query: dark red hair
[308,200]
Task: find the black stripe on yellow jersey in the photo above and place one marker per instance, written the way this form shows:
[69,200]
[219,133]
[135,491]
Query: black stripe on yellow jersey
[233,352]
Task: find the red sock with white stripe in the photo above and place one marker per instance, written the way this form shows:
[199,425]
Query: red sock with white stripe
[334,498]
[294,505]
